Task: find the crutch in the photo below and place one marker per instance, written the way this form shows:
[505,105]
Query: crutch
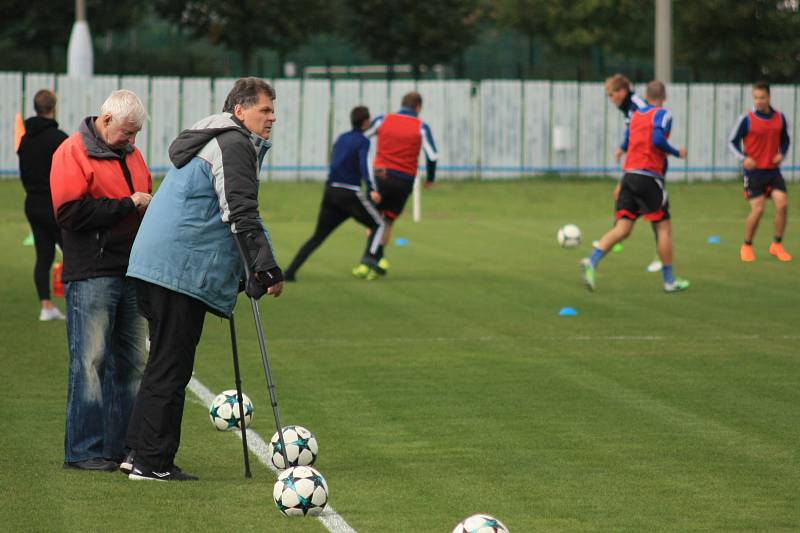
[262,344]
[238,378]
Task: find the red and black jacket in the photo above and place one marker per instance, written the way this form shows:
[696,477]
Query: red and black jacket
[91,186]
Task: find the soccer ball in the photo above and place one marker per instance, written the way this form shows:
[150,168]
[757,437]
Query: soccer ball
[569,236]
[300,491]
[301,447]
[224,411]
[481,523]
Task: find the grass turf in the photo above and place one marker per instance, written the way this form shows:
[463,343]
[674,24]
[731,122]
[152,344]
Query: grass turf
[452,387]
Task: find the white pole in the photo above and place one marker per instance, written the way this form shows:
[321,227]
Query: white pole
[663,44]
[80,57]
[417,199]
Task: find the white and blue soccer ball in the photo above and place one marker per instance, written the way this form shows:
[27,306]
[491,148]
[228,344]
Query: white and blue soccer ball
[301,447]
[300,491]
[569,236]
[480,523]
[224,411]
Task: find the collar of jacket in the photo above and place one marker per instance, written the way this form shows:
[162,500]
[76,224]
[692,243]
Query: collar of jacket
[407,111]
[95,146]
[261,144]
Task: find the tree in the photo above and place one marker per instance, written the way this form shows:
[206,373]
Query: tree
[419,33]
[579,27]
[245,25]
[46,26]
[745,40]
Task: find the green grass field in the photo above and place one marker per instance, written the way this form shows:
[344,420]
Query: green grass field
[453,387]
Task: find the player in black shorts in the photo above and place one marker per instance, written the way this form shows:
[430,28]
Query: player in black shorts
[343,197]
[760,140]
[642,192]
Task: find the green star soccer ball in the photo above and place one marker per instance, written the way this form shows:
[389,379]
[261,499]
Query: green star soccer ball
[224,411]
[300,491]
[301,447]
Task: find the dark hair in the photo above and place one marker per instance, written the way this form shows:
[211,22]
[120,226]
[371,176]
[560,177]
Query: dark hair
[412,100]
[656,90]
[245,93]
[763,85]
[44,102]
[358,115]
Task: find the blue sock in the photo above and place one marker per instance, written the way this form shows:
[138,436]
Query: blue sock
[597,255]
[666,271]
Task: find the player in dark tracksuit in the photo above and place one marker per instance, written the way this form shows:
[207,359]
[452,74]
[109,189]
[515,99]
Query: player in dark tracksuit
[42,138]
[343,197]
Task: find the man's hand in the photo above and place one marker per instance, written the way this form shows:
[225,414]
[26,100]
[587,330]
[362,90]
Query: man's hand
[276,290]
[749,163]
[618,153]
[375,196]
[265,282]
[428,184]
[141,199]
[682,152]
[615,194]
[778,158]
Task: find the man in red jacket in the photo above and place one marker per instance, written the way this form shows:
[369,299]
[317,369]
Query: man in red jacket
[101,186]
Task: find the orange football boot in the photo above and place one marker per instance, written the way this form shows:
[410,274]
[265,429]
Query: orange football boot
[777,250]
[746,253]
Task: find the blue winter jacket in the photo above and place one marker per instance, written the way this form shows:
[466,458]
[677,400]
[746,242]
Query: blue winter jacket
[184,243]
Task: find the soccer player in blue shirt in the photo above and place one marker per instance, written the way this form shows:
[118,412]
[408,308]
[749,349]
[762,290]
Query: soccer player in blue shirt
[621,94]
[343,197]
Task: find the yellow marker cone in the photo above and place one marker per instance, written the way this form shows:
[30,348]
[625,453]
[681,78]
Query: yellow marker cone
[19,130]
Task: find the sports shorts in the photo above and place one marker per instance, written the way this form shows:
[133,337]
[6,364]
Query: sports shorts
[642,196]
[394,192]
[763,182]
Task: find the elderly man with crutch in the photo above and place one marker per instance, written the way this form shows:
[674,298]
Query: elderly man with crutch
[186,262]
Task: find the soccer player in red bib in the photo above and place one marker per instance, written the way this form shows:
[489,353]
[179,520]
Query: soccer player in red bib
[401,136]
[764,134]
[643,192]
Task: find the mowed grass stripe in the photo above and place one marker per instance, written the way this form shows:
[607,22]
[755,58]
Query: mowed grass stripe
[452,386]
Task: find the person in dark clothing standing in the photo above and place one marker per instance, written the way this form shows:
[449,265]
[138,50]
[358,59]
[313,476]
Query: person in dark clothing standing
[36,149]
[343,197]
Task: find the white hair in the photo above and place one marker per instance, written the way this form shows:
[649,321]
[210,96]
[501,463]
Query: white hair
[124,105]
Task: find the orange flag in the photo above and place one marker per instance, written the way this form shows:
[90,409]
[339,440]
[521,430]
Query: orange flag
[19,130]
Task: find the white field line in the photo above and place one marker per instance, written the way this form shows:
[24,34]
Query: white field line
[332,520]
[495,338]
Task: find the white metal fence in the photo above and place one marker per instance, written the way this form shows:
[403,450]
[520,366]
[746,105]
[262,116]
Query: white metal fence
[492,129]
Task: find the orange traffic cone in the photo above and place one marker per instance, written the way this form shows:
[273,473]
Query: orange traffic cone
[19,130]
[58,286]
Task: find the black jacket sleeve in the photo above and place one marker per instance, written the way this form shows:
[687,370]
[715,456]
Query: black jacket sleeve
[93,213]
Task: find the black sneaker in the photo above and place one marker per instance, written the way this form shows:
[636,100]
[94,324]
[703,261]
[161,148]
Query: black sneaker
[127,464]
[95,463]
[140,472]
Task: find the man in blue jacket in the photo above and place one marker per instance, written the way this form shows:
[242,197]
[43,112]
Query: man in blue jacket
[186,262]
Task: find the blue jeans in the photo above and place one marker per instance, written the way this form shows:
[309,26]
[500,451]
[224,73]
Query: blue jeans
[106,337]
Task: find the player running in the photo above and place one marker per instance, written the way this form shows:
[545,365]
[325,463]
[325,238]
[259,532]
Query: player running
[642,191]
[401,135]
[764,133]
[343,197]
[621,94]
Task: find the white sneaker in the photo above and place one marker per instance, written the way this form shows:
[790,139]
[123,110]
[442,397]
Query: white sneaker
[51,314]
[655,266]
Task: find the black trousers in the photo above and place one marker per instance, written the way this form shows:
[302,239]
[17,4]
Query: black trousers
[339,204]
[176,323]
[46,234]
